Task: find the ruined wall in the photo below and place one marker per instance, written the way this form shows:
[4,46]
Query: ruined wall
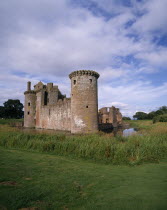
[110,116]
[113,116]
[57,116]
[84,103]
[118,117]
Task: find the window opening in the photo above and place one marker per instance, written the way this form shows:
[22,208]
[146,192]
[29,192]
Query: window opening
[45,98]
[28,113]
[74,82]
[86,106]
[106,120]
[28,103]
[90,80]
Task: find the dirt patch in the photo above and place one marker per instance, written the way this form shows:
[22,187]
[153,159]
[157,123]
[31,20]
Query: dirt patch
[9,183]
[30,208]
[3,207]
[28,178]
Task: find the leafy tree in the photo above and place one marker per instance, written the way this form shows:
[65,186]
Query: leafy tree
[151,115]
[13,109]
[140,115]
[126,118]
[163,108]
[2,112]
[160,118]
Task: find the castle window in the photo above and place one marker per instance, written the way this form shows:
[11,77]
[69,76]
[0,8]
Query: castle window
[45,98]
[28,113]
[106,120]
[86,106]
[90,80]
[28,103]
[74,82]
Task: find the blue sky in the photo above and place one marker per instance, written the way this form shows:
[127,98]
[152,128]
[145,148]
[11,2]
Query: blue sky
[125,41]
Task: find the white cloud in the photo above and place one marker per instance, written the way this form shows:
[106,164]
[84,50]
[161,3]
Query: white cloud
[46,40]
[154,18]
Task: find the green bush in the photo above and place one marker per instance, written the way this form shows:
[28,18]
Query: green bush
[160,118]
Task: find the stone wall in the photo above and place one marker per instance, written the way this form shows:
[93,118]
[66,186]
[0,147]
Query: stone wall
[57,116]
[110,117]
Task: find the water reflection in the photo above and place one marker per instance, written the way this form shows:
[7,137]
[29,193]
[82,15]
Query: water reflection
[122,131]
[129,132]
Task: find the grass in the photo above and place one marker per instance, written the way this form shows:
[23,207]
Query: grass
[133,150]
[42,181]
[60,171]
[8,121]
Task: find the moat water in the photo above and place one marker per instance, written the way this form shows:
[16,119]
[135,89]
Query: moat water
[115,132]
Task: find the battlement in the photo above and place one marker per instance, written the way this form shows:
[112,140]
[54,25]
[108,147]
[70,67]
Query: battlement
[84,72]
[62,102]
[29,92]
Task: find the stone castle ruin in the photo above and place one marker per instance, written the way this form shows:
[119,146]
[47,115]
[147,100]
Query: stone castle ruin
[47,108]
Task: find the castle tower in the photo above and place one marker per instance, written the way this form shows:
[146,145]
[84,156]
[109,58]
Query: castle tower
[84,101]
[29,107]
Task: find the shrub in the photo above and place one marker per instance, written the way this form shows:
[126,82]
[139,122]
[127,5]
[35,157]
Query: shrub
[160,118]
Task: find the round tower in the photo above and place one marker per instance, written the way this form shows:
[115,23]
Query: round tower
[29,107]
[84,101]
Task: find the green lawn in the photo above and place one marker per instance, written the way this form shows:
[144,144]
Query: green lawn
[30,179]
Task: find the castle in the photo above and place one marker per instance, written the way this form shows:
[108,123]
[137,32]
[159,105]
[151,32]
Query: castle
[46,107]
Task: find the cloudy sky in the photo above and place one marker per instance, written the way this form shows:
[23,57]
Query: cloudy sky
[124,40]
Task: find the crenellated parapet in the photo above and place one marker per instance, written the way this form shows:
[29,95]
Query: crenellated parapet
[63,102]
[29,92]
[84,72]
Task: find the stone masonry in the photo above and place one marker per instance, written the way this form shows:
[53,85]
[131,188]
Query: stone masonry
[109,117]
[47,108]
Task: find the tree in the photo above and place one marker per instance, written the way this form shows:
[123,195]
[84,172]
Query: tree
[163,108]
[2,112]
[126,118]
[160,118]
[13,109]
[140,115]
[151,115]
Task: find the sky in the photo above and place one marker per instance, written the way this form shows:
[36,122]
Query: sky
[125,41]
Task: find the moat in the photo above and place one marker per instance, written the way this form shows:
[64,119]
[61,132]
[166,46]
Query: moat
[116,131]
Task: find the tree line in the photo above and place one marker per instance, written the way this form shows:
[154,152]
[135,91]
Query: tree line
[158,115]
[12,109]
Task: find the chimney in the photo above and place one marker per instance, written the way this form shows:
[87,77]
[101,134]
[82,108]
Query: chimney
[28,86]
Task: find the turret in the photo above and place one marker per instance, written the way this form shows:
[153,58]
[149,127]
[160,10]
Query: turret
[29,107]
[84,101]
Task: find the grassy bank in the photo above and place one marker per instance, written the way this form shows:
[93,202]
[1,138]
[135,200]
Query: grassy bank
[42,181]
[9,121]
[149,147]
